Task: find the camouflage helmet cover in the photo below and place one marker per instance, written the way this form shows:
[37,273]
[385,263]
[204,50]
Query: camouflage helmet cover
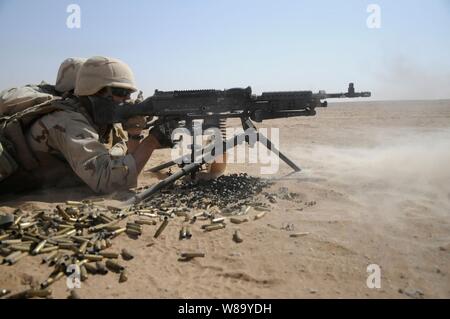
[67,74]
[99,72]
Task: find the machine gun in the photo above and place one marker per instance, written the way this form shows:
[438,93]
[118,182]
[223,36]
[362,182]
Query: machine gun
[213,107]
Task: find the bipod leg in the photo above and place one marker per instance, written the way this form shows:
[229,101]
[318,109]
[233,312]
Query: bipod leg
[268,143]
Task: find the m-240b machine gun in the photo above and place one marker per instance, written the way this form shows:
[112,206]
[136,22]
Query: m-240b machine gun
[213,107]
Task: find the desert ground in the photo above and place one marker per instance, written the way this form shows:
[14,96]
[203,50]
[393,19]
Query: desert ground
[374,189]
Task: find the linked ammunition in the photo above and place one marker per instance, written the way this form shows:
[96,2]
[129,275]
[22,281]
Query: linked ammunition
[189,255]
[110,255]
[101,268]
[162,227]
[260,215]
[123,276]
[237,237]
[126,255]
[214,227]
[113,266]
[39,247]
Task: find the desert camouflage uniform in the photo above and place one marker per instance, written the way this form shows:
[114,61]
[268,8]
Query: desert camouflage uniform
[70,137]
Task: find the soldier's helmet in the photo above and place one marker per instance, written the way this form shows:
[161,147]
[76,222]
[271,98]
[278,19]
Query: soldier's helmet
[99,72]
[67,74]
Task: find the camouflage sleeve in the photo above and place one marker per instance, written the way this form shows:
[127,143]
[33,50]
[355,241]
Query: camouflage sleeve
[72,135]
[119,137]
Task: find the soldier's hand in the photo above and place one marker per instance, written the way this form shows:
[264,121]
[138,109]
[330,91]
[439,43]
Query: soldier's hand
[162,131]
[135,125]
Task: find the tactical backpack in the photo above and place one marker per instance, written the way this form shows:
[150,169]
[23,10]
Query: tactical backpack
[19,108]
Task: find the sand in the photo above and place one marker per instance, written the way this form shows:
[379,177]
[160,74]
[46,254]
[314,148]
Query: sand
[374,189]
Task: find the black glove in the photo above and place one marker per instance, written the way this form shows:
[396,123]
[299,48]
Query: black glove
[162,131]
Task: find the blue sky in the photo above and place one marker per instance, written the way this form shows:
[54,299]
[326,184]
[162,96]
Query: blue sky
[269,45]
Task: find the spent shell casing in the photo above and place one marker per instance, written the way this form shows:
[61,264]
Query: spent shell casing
[83,273]
[4,292]
[113,266]
[295,235]
[11,241]
[260,215]
[237,237]
[161,227]
[108,243]
[127,255]
[110,255]
[20,247]
[98,245]
[16,258]
[74,203]
[192,254]
[183,233]
[48,249]
[145,222]
[218,220]
[39,247]
[214,227]
[123,276]
[134,227]
[91,257]
[68,246]
[235,220]
[49,257]
[82,249]
[101,268]
[118,232]
[17,220]
[133,232]
[91,268]
[4,236]
[51,280]
[188,232]
[73,294]
[62,212]
[39,293]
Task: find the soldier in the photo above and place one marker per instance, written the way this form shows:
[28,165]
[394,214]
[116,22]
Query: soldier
[17,99]
[68,143]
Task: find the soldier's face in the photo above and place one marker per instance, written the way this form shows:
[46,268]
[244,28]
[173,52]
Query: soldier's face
[120,95]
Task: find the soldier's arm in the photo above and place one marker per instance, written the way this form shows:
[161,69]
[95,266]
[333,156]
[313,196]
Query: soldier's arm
[90,160]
